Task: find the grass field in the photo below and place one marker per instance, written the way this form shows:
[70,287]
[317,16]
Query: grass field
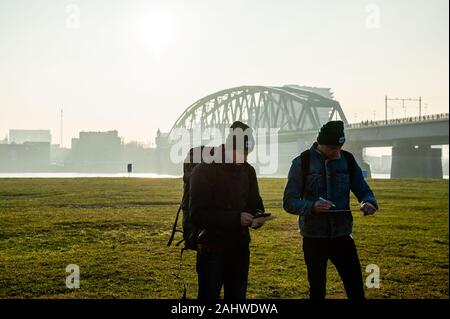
[116,231]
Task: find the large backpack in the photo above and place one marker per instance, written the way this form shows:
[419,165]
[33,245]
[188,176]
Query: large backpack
[304,158]
[190,231]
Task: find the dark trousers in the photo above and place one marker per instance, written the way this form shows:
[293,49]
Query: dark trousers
[342,253]
[227,269]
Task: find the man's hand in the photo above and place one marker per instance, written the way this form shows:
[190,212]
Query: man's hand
[368,208]
[246,219]
[258,222]
[322,206]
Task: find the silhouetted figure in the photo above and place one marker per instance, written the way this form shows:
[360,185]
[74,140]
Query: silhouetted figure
[320,181]
[223,197]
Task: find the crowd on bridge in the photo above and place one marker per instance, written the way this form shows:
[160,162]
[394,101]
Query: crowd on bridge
[431,117]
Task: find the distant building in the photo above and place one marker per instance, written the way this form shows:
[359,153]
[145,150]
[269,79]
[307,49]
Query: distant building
[163,153]
[162,139]
[58,155]
[25,157]
[143,159]
[96,152]
[22,136]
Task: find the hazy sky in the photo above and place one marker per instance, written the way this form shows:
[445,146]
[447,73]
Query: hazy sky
[136,65]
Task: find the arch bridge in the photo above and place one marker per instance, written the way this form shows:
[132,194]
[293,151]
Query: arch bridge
[299,112]
[288,108]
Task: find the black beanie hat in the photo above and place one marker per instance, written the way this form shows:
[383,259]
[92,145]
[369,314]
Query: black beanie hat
[249,140]
[332,133]
[239,124]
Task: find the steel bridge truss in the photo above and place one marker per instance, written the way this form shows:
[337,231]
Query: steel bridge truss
[286,108]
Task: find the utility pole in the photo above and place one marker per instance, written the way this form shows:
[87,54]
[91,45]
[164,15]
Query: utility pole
[403,104]
[385,108]
[61,130]
[420,107]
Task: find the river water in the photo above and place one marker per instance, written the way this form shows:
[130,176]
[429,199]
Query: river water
[135,175]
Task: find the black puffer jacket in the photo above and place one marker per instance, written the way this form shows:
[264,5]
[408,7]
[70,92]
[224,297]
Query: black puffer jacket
[219,193]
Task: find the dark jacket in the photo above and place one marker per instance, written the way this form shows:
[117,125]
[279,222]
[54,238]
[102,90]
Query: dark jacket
[219,193]
[329,179]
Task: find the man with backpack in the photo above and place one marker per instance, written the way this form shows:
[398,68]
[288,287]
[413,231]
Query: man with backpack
[223,199]
[318,190]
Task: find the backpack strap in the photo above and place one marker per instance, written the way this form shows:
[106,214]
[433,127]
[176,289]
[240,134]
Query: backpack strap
[187,168]
[351,163]
[174,227]
[304,159]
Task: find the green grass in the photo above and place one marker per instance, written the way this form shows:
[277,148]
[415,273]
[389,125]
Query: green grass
[116,231]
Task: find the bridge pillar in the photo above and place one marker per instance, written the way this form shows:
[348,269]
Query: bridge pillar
[410,161]
[357,151]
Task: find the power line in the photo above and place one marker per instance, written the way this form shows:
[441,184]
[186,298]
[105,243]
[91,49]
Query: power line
[386,99]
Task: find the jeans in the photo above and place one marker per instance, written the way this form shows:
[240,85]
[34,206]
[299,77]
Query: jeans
[227,269]
[342,253]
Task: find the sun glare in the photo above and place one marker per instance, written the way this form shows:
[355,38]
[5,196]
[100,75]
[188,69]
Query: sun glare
[156,30]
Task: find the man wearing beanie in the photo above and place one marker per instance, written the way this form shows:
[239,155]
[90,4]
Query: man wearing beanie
[224,196]
[318,191]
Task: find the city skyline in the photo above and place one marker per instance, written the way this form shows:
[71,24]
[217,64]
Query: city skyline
[369,151]
[136,67]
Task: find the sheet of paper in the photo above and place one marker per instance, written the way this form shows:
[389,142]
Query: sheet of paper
[257,222]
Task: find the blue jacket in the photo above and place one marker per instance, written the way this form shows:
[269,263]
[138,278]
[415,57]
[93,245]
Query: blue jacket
[329,179]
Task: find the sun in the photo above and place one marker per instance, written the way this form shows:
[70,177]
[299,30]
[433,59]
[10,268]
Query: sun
[156,30]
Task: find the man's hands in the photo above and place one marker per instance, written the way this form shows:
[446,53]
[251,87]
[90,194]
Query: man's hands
[246,219]
[368,208]
[322,206]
